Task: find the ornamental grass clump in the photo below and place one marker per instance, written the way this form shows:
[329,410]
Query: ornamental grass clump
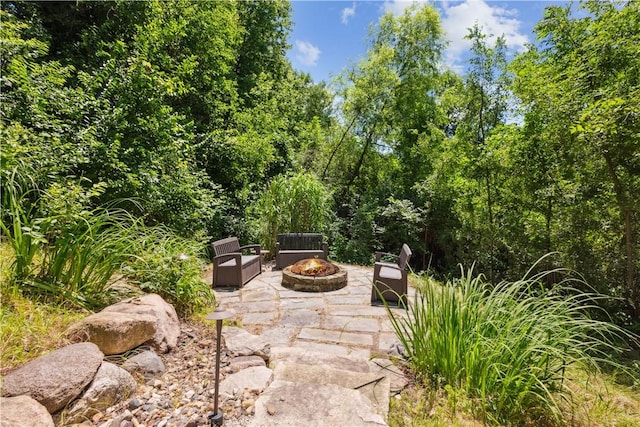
[507,347]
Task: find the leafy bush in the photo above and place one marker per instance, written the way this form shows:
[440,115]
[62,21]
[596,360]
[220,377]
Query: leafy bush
[295,204]
[71,254]
[507,347]
[61,249]
[171,267]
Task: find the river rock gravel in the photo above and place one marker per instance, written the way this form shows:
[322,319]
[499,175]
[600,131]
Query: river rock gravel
[183,396]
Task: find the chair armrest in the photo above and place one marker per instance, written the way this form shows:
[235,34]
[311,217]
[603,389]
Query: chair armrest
[223,258]
[392,265]
[379,255]
[255,248]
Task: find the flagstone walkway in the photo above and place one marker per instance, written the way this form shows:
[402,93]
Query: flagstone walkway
[341,322]
[328,351]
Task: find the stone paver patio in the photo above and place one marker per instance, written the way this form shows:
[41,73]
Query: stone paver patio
[328,351]
[341,322]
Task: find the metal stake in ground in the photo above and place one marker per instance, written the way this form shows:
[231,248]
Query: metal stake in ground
[216,418]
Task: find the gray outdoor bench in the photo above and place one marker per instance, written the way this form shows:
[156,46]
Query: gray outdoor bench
[293,247]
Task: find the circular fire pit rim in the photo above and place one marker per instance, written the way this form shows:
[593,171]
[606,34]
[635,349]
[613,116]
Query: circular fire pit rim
[299,282]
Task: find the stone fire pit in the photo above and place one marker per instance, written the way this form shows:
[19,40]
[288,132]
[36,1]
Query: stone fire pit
[314,275]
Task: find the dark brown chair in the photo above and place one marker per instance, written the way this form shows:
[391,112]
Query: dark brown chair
[293,247]
[232,268]
[390,278]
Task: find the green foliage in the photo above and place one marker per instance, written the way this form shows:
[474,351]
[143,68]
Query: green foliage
[580,95]
[68,256]
[190,108]
[509,347]
[294,204]
[170,266]
[354,235]
[74,255]
[20,230]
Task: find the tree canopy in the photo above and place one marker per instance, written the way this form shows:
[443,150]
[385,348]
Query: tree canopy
[189,112]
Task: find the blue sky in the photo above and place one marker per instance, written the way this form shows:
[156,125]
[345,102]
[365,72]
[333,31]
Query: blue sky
[329,35]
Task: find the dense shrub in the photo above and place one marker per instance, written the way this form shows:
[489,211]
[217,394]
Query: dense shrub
[170,266]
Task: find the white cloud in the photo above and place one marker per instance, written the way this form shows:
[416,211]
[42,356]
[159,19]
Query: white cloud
[397,7]
[348,12]
[307,53]
[458,16]
[456,20]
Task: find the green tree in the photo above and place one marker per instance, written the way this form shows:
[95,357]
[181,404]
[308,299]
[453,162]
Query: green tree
[388,124]
[584,82]
[484,107]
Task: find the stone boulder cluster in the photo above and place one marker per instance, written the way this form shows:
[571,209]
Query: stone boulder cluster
[134,364]
[75,382]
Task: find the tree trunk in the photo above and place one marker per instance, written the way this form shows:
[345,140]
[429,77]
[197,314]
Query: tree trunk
[335,149]
[625,211]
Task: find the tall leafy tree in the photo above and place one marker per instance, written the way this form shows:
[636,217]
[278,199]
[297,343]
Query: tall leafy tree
[388,97]
[388,118]
[484,107]
[584,79]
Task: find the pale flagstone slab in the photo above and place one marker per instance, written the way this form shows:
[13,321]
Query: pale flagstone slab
[336,337]
[263,294]
[346,299]
[351,324]
[298,303]
[289,404]
[253,378]
[255,283]
[256,307]
[357,310]
[286,293]
[273,278]
[227,297]
[242,343]
[300,318]
[243,362]
[319,354]
[259,318]
[325,348]
[361,290]
[335,349]
[279,336]
[373,385]
[362,277]
[386,326]
[387,341]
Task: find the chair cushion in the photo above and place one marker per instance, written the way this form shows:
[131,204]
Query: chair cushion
[246,259]
[387,264]
[390,273]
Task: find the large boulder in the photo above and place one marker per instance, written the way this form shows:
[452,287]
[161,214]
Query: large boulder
[110,385]
[166,320]
[114,332]
[56,378]
[20,411]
